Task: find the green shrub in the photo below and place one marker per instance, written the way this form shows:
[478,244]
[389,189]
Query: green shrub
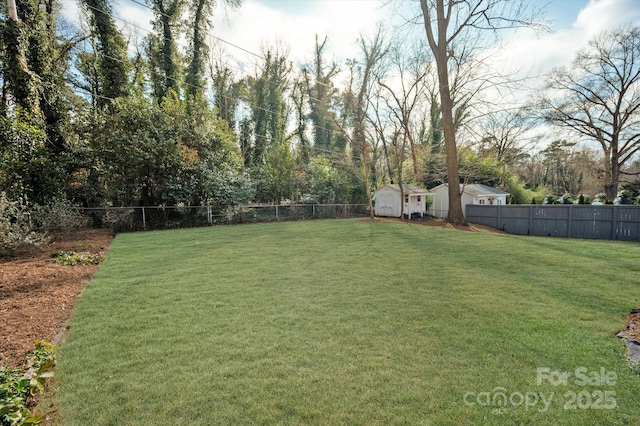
[71,258]
[18,384]
[566,198]
[428,202]
[520,194]
[58,215]
[584,199]
[16,228]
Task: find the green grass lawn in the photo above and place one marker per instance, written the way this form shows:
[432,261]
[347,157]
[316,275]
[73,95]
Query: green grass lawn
[351,322]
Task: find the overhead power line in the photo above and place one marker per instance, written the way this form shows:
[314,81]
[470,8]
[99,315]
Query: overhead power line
[252,105]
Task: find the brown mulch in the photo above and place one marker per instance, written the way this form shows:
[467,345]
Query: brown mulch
[441,223]
[37,296]
[632,326]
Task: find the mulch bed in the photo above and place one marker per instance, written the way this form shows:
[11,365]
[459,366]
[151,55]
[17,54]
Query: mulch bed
[37,296]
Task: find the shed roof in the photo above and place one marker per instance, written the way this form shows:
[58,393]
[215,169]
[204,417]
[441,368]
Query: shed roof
[477,189]
[407,188]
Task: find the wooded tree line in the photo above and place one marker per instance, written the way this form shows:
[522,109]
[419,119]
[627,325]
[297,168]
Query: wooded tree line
[97,117]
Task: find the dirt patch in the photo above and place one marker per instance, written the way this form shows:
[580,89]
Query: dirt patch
[441,223]
[37,296]
[632,325]
[631,336]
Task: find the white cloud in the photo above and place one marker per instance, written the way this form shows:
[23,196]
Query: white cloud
[602,15]
[295,24]
[535,55]
[70,10]
[255,25]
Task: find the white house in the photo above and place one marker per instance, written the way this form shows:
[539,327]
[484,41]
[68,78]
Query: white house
[388,200]
[473,193]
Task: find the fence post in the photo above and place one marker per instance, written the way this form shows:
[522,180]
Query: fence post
[276,212]
[209,215]
[614,224]
[530,230]
[144,220]
[570,221]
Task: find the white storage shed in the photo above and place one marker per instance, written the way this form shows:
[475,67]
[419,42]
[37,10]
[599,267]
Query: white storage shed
[387,199]
[473,193]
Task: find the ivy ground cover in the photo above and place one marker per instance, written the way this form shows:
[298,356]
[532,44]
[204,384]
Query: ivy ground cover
[352,322]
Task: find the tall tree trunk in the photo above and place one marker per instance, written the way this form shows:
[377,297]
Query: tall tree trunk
[613,176]
[455,214]
[20,82]
[439,47]
[194,78]
[113,63]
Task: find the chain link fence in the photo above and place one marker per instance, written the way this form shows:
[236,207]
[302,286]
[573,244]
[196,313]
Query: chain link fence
[125,219]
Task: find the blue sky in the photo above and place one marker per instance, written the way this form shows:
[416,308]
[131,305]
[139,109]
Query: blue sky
[295,23]
[564,12]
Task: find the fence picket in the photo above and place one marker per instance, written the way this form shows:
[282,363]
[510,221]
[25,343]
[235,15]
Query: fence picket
[615,222]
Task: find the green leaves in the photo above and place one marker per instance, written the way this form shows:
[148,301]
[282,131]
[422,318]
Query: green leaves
[18,384]
[16,229]
[151,154]
[72,258]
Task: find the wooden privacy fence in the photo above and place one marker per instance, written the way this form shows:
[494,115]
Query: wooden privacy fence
[609,222]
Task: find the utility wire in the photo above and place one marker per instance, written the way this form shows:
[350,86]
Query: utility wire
[182,45]
[186,47]
[209,34]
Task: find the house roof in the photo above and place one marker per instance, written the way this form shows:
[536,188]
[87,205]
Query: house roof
[407,188]
[477,190]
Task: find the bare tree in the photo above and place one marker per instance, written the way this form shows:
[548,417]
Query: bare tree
[598,98]
[357,101]
[504,137]
[448,24]
[405,88]
[380,124]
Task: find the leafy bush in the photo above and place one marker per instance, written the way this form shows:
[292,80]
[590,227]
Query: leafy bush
[18,384]
[625,196]
[566,198]
[428,202]
[601,197]
[27,168]
[16,229]
[519,193]
[71,258]
[58,215]
[584,199]
[119,219]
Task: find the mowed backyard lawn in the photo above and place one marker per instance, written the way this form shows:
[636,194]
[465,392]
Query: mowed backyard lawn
[352,322]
